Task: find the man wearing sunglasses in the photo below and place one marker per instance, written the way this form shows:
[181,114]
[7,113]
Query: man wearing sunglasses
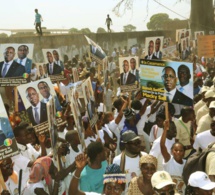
[173,95]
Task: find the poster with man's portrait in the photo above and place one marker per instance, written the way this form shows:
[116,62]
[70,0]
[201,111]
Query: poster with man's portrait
[95,51]
[129,73]
[8,145]
[198,33]
[167,81]
[35,95]
[178,34]
[42,72]
[153,48]
[52,124]
[89,99]
[77,116]
[54,64]
[15,66]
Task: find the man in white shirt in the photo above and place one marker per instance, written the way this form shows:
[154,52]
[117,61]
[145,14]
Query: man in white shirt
[126,78]
[156,150]
[52,68]
[129,158]
[157,52]
[133,70]
[205,138]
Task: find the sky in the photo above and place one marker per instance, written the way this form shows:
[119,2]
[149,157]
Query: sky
[66,14]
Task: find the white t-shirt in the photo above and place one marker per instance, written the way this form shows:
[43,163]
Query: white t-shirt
[132,168]
[175,170]
[30,187]
[141,123]
[12,187]
[203,140]
[155,133]
[156,151]
[91,193]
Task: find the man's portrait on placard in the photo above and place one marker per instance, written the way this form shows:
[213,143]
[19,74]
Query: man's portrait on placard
[89,98]
[35,95]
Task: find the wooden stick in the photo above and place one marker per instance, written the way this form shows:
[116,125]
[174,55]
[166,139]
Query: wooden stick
[166,111]
[97,132]
[16,108]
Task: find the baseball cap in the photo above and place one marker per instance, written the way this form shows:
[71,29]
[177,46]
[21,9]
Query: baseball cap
[128,113]
[212,104]
[129,136]
[201,180]
[161,179]
[210,93]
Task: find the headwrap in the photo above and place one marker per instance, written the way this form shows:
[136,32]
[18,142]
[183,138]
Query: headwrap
[114,174]
[148,159]
[40,169]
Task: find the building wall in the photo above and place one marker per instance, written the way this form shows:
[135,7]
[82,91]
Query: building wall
[73,44]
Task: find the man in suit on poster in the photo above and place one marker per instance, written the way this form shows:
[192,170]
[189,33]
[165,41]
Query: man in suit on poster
[9,67]
[57,59]
[37,112]
[173,95]
[45,92]
[22,59]
[133,70]
[126,78]
[52,68]
[157,52]
[150,55]
[90,103]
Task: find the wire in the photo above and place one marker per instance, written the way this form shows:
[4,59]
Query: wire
[171,10]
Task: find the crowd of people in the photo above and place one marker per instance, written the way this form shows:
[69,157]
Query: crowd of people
[133,148]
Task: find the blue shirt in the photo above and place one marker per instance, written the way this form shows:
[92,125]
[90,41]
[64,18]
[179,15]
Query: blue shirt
[91,180]
[38,18]
[127,126]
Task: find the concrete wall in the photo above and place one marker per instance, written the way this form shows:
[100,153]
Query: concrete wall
[73,44]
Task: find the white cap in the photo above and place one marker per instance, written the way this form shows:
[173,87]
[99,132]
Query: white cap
[212,104]
[210,93]
[201,180]
[161,179]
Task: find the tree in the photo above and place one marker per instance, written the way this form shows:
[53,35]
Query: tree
[157,21]
[73,30]
[85,31]
[101,30]
[129,28]
[3,35]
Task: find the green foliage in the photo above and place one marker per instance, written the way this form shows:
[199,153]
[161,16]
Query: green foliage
[101,30]
[73,30]
[157,21]
[85,30]
[129,28]
[3,35]
[154,84]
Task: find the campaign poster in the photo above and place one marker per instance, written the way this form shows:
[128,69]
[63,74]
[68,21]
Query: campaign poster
[12,74]
[54,64]
[178,34]
[129,73]
[167,81]
[52,124]
[185,48]
[42,72]
[77,117]
[89,100]
[95,51]
[206,46]
[8,145]
[153,48]
[35,95]
[198,33]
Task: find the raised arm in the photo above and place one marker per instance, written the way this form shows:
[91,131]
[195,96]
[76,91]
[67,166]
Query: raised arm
[80,161]
[143,108]
[120,115]
[164,151]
